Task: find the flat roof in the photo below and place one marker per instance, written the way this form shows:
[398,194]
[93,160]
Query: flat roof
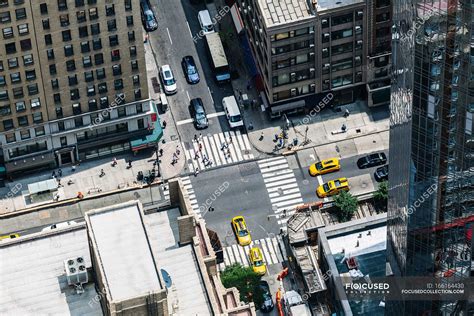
[125,256]
[324,5]
[276,12]
[371,240]
[179,262]
[32,277]
[216,49]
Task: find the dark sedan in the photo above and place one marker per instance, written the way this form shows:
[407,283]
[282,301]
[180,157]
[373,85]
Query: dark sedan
[267,304]
[381,174]
[190,69]
[198,113]
[372,160]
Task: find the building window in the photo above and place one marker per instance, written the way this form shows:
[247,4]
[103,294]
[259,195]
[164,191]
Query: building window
[44,8]
[141,123]
[118,84]
[74,93]
[121,112]
[91,1]
[76,108]
[115,55]
[78,122]
[46,24]
[12,63]
[5,17]
[324,23]
[383,17]
[32,89]
[20,106]
[55,83]
[85,47]
[111,25]
[7,32]
[102,87]
[30,75]
[37,117]
[342,64]
[93,14]
[133,51]
[10,48]
[131,36]
[48,39]
[104,102]
[86,61]
[68,50]
[10,138]
[70,65]
[23,29]
[90,91]
[95,29]
[83,32]
[96,44]
[341,19]
[25,44]
[137,93]
[3,3]
[62,5]
[23,120]
[134,64]
[66,35]
[113,40]
[358,76]
[59,112]
[64,19]
[100,73]
[128,5]
[20,14]
[57,98]
[117,69]
[89,76]
[1,65]
[15,77]
[109,9]
[39,131]
[50,53]
[79,3]
[358,60]
[3,82]
[92,103]
[341,34]
[35,103]
[3,95]
[63,140]
[72,80]
[341,49]
[358,29]
[81,16]
[52,69]
[25,134]
[99,59]
[18,92]
[7,124]
[129,20]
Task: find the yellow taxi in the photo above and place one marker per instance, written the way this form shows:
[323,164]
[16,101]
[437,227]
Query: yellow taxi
[333,187]
[241,231]
[11,236]
[324,166]
[256,261]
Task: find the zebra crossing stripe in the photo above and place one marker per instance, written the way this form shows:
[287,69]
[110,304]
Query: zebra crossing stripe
[215,151]
[283,187]
[279,183]
[218,146]
[188,158]
[243,256]
[277,249]
[230,253]
[277,173]
[283,177]
[246,141]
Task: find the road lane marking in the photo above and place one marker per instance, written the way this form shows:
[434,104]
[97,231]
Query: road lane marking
[187,121]
[190,33]
[171,41]
[215,114]
[189,99]
[210,93]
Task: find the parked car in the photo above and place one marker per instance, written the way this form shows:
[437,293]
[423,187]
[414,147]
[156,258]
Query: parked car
[59,225]
[198,114]
[267,304]
[333,187]
[190,70]
[257,262]
[324,166]
[207,26]
[11,236]
[148,17]
[372,160]
[381,174]
[168,80]
[241,231]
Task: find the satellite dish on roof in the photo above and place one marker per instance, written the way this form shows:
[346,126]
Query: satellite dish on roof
[166,278]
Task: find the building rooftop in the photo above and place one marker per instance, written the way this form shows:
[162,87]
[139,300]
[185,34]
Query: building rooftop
[32,276]
[276,12]
[120,240]
[323,5]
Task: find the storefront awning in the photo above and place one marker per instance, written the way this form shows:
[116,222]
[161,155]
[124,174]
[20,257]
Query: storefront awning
[42,186]
[148,140]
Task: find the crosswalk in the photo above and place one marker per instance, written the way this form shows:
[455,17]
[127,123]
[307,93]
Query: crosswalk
[273,251]
[213,147]
[282,187]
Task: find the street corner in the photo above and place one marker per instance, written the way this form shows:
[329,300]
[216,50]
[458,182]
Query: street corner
[262,140]
[308,156]
[172,159]
[370,143]
[361,184]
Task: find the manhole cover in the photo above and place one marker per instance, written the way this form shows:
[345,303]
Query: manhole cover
[305,182]
[248,169]
[174,137]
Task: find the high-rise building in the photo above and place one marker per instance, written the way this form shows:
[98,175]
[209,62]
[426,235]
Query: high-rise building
[73,82]
[431,182]
[305,49]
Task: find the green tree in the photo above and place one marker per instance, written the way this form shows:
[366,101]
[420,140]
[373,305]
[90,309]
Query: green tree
[346,206]
[381,196]
[245,280]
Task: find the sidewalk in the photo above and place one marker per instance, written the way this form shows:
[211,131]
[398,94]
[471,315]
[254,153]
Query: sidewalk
[86,177]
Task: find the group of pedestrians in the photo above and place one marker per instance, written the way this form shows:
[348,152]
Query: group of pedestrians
[176,156]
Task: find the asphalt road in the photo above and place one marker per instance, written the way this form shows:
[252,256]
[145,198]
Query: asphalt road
[177,25]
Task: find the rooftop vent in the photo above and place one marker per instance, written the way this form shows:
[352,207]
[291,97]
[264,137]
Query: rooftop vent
[76,273]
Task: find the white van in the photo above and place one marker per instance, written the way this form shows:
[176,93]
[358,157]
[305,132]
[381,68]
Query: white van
[232,112]
[205,21]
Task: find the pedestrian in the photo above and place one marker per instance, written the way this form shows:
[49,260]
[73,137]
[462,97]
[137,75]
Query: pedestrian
[284,212]
[200,147]
[130,163]
[230,139]
[261,137]
[161,152]
[73,168]
[195,138]
[53,174]
[177,150]
[164,124]
[175,156]
[211,209]
[346,113]
[102,173]
[59,183]
[196,172]
[196,156]
[204,158]
[146,38]
[60,172]
[173,162]
[228,152]
[200,136]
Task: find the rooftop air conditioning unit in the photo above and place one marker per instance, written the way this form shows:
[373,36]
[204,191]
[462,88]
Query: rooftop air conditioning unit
[76,271]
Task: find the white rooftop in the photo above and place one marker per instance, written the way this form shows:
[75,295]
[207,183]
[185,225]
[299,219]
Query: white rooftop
[276,12]
[324,5]
[376,241]
[33,281]
[124,252]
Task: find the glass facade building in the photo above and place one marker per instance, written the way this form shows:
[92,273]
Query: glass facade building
[431,185]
